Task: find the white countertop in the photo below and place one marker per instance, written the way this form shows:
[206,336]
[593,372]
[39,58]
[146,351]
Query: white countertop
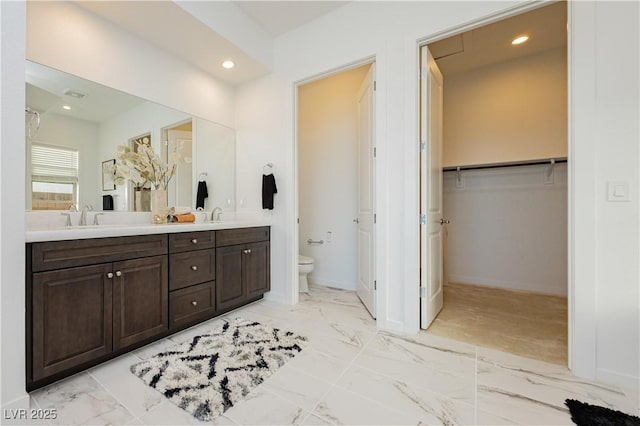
[44,230]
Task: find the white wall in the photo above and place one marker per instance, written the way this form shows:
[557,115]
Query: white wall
[607,115]
[328,176]
[605,45]
[510,111]
[508,228]
[81,135]
[12,181]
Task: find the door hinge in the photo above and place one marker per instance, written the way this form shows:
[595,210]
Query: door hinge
[423,146]
[423,292]
[423,219]
[375,217]
[375,85]
[375,152]
[375,284]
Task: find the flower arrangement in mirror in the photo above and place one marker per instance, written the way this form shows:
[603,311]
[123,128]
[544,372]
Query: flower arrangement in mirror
[145,166]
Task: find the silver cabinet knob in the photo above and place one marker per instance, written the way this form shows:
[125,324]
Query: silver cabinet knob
[444,221]
[194,241]
[118,274]
[194,268]
[194,303]
[247,251]
[109,275]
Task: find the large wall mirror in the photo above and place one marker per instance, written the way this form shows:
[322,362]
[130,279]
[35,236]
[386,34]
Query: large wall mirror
[73,130]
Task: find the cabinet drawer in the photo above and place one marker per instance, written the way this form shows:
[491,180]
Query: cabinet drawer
[192,267]
[191,304]
[187,241]
[52,255]
[230,237]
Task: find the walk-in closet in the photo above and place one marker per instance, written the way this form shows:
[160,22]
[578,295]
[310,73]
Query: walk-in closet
[504,186]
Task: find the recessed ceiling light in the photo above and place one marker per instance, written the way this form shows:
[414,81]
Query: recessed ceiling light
[67,107]
[520,39]
[228,64]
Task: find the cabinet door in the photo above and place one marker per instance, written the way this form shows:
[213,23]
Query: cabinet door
[256,268]
[140,300]
[71,318]
[229,289]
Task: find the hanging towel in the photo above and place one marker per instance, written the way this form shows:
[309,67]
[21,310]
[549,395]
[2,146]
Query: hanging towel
[107,202]
[202,194]
[268,190]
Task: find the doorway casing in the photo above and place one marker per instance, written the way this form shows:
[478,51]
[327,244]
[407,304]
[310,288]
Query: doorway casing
[296,249]
[517,10]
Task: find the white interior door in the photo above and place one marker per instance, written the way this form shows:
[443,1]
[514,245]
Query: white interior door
[365,220]
[431,220]
[179,190]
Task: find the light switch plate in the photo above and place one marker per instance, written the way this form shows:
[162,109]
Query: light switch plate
[618,190]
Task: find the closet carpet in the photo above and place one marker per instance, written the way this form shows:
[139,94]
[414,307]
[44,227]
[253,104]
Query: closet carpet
[526,324]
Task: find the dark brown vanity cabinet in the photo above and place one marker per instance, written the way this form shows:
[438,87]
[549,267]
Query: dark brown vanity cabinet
[90,300]
[140,300]
[80,311]
[71,313]
[242,266]
[192,275]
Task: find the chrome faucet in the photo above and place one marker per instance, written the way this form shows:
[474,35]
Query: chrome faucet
[73,208]
[215,214]
[83,215]
[95,218]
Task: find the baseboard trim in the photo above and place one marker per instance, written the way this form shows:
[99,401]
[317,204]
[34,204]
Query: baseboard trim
[529,288]
[618,379]
[20,403]
[331,283]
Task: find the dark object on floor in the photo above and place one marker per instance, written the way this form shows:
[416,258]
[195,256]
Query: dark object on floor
[584,414]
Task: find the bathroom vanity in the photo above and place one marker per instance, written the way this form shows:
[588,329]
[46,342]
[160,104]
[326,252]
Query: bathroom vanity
[92,299]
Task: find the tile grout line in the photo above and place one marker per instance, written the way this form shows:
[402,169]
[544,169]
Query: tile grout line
[335,383]
[114,396]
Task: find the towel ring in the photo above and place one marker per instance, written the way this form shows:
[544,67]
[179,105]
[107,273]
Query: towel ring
[267,168]
[202,176]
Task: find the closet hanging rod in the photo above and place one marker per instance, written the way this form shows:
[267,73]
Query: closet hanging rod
[500,165]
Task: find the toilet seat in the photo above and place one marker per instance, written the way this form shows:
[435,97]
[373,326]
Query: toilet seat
[304,260]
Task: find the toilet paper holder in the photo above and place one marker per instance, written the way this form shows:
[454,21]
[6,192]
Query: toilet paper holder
[310,241]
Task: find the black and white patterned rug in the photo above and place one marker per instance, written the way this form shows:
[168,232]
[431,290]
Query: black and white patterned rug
[210,373]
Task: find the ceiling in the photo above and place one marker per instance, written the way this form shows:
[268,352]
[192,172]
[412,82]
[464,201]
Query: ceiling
[278,17]
[46,89]
[171,28]
[546,28]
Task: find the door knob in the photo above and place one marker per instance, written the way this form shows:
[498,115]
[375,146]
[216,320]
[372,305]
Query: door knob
[356,220]
[444,221]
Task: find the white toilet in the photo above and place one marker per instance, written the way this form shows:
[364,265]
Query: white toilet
[305,266]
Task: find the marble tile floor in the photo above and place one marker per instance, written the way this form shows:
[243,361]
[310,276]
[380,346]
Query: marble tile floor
[526,324]
[350,373]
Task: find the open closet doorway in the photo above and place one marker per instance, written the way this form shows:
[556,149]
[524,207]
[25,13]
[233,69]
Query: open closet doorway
[336,183]
[494,185]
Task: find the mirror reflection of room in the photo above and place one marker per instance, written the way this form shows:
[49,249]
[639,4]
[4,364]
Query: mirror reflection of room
[74,128]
